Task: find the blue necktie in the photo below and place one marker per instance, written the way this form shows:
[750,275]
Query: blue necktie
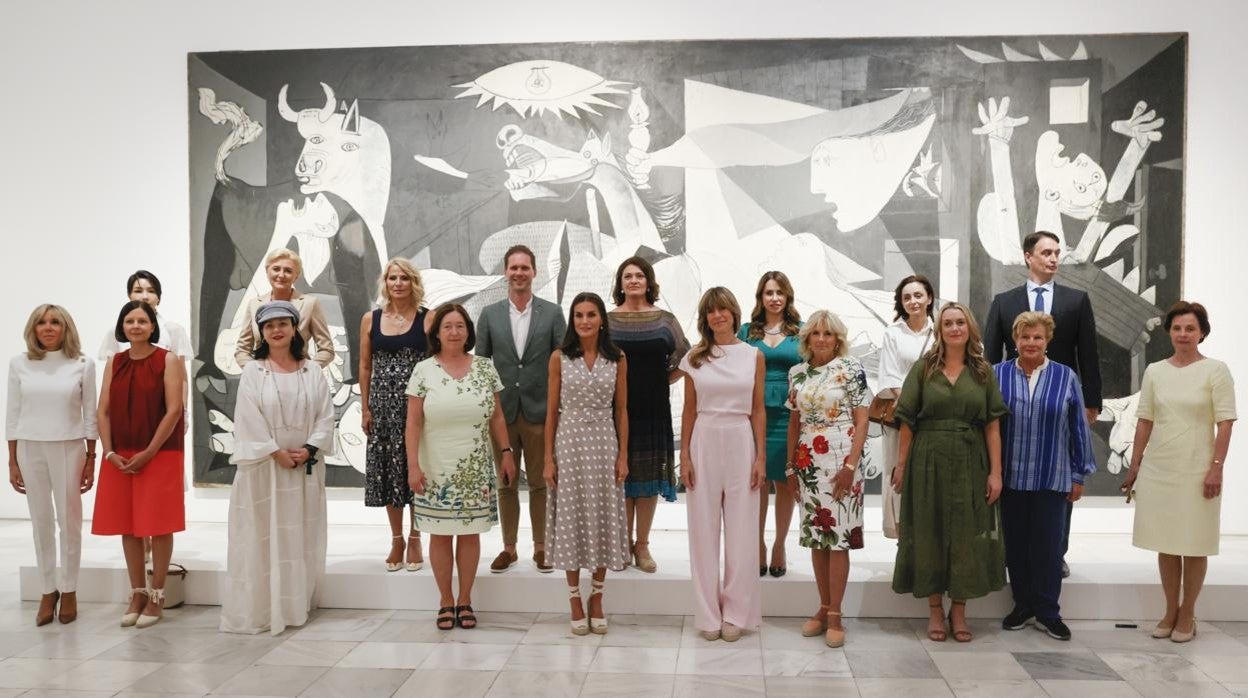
[1039,308]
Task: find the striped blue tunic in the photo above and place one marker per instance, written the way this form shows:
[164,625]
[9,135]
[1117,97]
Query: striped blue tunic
[1045,440]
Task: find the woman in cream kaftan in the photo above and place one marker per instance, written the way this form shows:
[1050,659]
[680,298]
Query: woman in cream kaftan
[277,515]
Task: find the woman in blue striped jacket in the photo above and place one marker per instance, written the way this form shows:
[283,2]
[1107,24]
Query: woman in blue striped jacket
[1046,451]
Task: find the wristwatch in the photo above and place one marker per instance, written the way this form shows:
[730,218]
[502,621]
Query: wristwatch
[505,450]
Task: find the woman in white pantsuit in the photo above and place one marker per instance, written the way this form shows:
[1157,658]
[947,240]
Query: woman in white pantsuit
[723,459]
[283,421]
[51,428]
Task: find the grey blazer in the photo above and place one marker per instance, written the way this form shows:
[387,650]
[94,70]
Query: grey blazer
[524,377]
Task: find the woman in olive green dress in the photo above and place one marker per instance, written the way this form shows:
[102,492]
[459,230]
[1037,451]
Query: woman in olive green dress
[949,475]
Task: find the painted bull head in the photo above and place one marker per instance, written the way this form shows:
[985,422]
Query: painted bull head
[538,169]
[346,154]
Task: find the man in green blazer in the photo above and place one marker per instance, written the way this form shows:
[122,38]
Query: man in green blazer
[519,334]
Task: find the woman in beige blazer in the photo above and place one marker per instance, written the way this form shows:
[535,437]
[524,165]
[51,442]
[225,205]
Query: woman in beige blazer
[283,268]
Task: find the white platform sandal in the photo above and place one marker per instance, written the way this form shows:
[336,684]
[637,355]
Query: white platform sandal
[395,566]
[579,627]
[128,620]
[597,625]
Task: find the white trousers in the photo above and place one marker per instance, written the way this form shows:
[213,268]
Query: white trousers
[52,471]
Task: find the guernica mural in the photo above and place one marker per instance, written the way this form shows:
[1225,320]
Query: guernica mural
[847,164]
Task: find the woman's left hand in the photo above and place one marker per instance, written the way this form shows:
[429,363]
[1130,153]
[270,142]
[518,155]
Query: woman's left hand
[509,468]
[842,482]
[621,469]
[138,461]
[1213,482]
[298,455]
[994,488]
[758,473]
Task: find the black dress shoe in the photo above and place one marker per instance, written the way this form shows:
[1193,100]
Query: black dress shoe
[777,572]
[1065,570]
[1018,619]
[1054,628]
[762,570]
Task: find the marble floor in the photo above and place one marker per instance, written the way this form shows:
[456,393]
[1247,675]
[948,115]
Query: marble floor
[364,653]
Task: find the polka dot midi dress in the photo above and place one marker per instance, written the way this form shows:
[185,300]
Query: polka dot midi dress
[585,512]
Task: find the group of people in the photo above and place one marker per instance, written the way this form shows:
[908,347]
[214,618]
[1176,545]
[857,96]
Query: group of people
[986,444]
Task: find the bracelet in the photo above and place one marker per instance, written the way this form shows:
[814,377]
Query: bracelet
[505,450]
[790,472]
[1217,462]
[851,468]
[110,454]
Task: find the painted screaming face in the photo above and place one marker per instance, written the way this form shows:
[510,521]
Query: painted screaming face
[49,331]
[1076,186]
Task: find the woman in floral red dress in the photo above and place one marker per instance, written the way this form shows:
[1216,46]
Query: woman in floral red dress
[828,400]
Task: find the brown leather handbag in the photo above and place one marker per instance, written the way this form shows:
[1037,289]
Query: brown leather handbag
[882,411]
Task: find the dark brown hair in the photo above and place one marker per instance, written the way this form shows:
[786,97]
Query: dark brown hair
[652,286]
[899,310]
[1186,308]
[792,319]
[520,249]
[119,331]
[1029,242]
[435,342]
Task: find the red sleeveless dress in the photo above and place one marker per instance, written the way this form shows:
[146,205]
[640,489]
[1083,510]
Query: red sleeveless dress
[150,502]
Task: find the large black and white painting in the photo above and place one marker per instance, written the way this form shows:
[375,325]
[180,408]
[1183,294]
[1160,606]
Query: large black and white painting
[847,164]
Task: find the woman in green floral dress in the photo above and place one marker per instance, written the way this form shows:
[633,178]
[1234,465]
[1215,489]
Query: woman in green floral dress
[827,431]
[452,408]
[949,475]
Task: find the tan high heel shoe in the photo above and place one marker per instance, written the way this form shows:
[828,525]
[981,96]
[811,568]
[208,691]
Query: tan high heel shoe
[1177,636]
[394,566]
[834,637]
[814,626]
[579,626]
[157,596]
[129,619]
[645,563]
[597,625]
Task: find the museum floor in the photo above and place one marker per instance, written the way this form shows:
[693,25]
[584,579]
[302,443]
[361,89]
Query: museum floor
[374,652]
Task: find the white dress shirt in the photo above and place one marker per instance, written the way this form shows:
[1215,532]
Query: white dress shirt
[901,347]
[1047,296]
[51,399]
[520,320]
[173,338]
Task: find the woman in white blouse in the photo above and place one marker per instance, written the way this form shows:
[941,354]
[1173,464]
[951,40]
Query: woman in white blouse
[284,425]
[905,341]
[51,428]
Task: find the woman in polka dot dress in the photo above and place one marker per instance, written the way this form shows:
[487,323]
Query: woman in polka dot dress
[587,458]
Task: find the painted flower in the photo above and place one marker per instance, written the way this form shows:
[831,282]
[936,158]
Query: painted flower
[855,537]
[834,411]
[825,521]
[821,444]
[802,460]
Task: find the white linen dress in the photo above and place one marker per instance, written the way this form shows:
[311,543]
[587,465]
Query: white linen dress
[277,516]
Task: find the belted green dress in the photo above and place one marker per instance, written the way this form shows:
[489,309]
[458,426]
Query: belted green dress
[951,540]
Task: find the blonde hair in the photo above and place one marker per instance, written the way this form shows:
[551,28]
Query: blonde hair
[284,253]
[69,338]
[410,271]
[715,298]
[1032,318]
[823,320]
[934,360]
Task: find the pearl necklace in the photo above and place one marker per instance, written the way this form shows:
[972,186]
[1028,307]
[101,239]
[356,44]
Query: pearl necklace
[779,329]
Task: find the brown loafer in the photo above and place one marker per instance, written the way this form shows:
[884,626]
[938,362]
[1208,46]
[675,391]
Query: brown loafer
[539,561]
[47,608]
[503,562]
[69,607]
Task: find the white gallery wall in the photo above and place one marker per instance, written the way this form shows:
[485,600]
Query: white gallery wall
[93,170]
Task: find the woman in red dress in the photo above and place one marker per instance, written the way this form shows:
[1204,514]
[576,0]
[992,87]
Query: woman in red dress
[140,487]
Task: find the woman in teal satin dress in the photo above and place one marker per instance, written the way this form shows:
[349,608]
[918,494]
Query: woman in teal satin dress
[773,328]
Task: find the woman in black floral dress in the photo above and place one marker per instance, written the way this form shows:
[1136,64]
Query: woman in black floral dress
[392,341]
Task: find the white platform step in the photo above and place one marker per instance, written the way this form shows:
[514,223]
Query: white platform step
[1109,580]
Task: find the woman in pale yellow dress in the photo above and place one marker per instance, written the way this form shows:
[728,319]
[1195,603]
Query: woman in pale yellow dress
[1186,410]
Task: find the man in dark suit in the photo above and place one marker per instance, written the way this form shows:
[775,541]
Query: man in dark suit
[1074,339]
[519,334]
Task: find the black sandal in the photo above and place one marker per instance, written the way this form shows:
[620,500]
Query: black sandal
[446,618]
[464,613]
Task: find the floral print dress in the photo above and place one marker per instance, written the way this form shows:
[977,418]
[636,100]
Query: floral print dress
[824,398]
[461,490]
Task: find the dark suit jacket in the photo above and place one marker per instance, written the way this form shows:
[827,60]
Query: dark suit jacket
[1074,338]
[524,377]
